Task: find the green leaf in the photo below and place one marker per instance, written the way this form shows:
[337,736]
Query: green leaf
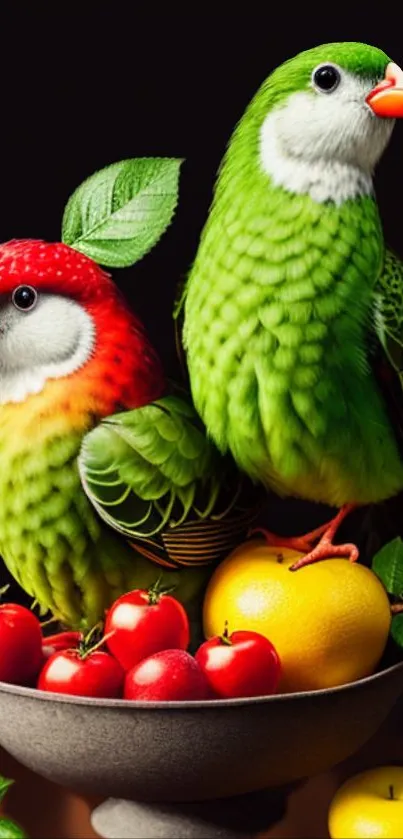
[5,785]
[388,566]
[397,630]
[8,828]
[11,830]
[118,214]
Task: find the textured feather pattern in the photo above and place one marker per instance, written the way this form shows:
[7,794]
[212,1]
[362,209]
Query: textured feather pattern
[277,308]
[152,475]
[386,341]
[51,538]
[389,323]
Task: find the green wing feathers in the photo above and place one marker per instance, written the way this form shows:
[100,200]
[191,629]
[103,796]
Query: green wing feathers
[142,468]
[153,476]
[386,352]
[389,314]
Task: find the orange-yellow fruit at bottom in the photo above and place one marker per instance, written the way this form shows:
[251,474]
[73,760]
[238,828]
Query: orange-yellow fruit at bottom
[328,621]
[369,805]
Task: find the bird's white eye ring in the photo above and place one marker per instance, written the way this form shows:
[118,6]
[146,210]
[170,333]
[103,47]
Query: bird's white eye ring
[24,298]
[326,78]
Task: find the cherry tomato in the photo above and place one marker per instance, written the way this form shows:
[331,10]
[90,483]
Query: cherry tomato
[94,674]
[242,664]
[167,675]
[60,641]
[142,623]
[20,644]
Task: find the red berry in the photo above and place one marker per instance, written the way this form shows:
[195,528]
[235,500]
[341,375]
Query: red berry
[167,675]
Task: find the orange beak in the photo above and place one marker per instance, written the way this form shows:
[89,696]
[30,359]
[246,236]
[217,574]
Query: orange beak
[386,99]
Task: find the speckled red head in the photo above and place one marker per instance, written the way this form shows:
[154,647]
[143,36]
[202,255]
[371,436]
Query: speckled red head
[63,318]
[54,268]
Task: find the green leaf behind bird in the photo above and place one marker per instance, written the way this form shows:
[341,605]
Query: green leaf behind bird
[118,214]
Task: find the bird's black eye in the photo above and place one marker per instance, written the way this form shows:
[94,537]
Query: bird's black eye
[326,78]
[24,297]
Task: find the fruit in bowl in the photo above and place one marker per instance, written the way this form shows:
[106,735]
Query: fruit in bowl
[170,712]
[143,622]
[60,641]
[329,622]
[170,675]
[89,673]
[267,631]
[241,664]
[141,654]
[20,644]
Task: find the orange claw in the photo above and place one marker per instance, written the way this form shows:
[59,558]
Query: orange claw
[325,549]
[302,544]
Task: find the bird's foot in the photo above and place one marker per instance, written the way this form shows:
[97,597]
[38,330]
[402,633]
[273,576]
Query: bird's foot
[325,549]
[302,544]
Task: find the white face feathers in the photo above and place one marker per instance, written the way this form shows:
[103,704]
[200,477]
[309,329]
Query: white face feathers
[325,142]
[46,337]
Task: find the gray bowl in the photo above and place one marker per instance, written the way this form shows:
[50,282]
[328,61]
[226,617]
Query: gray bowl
[191,751]
[179,751]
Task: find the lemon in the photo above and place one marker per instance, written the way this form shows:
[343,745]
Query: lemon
[328,621]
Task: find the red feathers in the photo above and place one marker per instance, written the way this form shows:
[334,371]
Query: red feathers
[54,268]
[124,371]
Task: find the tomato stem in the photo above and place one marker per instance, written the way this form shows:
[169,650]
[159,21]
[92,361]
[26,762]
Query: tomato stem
[156,591]
[391,793]
[86,644]
[225,636]
[154,596]
[84,650]
[89,636]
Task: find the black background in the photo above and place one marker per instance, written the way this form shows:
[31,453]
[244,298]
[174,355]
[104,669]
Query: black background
[84,87]
[81,89]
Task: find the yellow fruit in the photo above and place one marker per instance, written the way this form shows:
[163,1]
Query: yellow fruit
[369,805]
[329,621]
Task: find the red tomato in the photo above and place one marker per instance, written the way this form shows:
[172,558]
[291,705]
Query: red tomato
[143,623]
[167,675]
[61,641]
[242,664]
[94,674]
[20,644]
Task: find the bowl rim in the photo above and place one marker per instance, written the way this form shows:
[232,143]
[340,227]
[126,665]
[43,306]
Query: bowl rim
[188,705]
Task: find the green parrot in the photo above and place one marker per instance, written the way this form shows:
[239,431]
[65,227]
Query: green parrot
[293,308]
